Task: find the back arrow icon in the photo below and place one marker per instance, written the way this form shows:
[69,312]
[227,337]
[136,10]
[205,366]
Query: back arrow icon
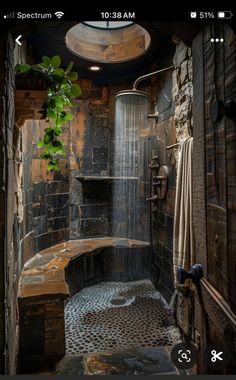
[17,40]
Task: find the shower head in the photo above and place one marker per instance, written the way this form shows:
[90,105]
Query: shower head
[132,92]
[147,76]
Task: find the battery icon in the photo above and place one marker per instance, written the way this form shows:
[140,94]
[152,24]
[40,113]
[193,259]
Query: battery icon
[224,14]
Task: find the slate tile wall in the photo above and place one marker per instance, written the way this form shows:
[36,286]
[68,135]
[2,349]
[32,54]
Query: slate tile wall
[45,195]
[162,212]
[90,156]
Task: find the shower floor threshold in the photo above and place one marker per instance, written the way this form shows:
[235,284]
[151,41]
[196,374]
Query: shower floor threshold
[105,178]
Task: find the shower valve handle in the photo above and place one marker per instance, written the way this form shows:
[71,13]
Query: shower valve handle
[195,273]
[154,198]
[156,166]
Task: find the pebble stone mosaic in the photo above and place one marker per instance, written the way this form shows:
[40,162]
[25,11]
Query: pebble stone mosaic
[115,316]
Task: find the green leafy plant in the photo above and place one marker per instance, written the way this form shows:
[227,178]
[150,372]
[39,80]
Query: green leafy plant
[61,91]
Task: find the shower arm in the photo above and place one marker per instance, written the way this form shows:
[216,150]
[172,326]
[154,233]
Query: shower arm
[140,79]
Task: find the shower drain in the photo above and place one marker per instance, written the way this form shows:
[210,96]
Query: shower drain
[118,316]
[122,301]
[118,301]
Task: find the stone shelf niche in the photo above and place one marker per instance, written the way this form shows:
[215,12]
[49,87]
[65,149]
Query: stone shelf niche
[96,203]
[57,273]
[105,178]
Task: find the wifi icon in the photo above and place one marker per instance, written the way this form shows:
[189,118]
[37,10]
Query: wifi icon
[59,14]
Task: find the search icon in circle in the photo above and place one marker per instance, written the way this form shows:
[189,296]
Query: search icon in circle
[184,355]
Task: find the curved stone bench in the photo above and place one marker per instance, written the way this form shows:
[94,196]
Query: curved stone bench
[57,273]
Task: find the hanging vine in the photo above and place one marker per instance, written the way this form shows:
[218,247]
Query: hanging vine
[61,92]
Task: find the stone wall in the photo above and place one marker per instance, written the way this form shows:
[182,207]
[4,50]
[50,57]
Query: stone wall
[2,203]
[50,192]
[10,208]
[163,133]
[183,92]
[38,192]
[174,99]
[183,97]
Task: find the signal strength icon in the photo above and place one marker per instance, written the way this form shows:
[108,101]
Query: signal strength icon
[9,15]
[59,14]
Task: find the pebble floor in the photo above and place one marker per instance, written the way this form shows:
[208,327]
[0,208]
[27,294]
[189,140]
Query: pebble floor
[115,316]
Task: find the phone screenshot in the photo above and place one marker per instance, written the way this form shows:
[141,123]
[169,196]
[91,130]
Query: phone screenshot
[117,192]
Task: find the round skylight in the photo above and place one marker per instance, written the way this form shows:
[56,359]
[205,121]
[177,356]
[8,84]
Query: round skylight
[107,42]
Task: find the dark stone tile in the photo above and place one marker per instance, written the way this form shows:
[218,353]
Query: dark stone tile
[49,239]
[74,212]
[84,271]
[27,220]
[167,254]
[94,227]
[57,187]
[94,211]
[125,264]
[39,192]
[27,178]
[39,225]
[162,216]
[42,242]
[95,192]
[57,200]
[75,191]
[166,293]
[164,104]
[59,236]
[100,154]
[139,261]
[172,176]
[145,159]
[27,196]
[145,190]
[62,175]
[137,362]
[169,230]
[157,247]
[32,329]
[70,365]
[57,223]
[167,265]
[92,269]
[98,135]
[166,280]
[57,205]
[100,168]
[27,247]
[39,209]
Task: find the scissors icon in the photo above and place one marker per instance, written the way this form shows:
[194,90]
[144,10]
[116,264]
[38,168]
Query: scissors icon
[216,355]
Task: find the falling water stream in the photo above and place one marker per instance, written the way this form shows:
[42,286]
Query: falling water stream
[130,122]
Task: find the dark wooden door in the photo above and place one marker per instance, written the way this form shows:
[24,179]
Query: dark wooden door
[214,198]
